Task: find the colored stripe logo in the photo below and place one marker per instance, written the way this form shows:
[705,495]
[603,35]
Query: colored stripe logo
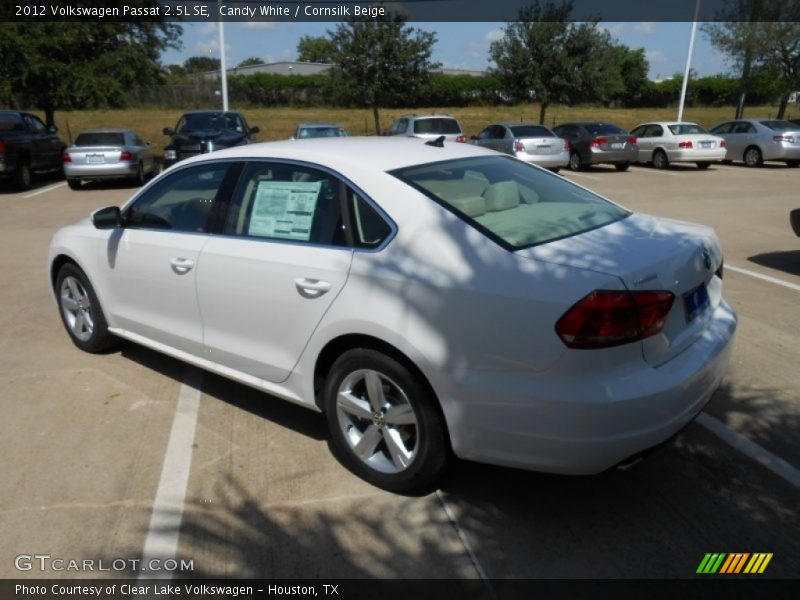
[734,563]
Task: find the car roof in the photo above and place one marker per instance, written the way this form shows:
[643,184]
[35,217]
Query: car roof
[520,124]
[427,116]
[343,153]
[105,130]
[212,112]
[310,125]
[588,123]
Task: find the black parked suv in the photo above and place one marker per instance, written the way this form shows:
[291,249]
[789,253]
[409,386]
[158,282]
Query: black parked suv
[26,146]
[204,131]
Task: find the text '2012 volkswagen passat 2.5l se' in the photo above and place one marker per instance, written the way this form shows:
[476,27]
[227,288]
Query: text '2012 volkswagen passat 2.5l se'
[431,299]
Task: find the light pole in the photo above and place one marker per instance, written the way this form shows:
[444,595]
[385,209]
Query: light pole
[223,70]
[688,61]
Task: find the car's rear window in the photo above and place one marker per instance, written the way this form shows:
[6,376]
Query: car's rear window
[318,132]
[780,125]
[603,128]
[686,128]
[511,202]
[100,139]
[526,131]
[10,123]
[437,125]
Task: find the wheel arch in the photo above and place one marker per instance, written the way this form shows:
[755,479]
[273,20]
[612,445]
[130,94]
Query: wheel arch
[750,146]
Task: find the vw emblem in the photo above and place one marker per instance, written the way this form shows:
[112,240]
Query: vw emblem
[706,258]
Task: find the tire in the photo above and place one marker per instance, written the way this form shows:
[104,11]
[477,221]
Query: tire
[753,157]
[575,163]
[703,165]
[140,179]
[622,166]
[727,162]
[23,178]
[81,312]
[792,163]
[74,184]
[405,456]
[660,160]
[555,169]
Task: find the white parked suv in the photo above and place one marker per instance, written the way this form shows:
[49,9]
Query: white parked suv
[429,300]
[428,127]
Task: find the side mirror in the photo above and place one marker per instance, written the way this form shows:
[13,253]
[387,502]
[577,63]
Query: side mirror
[109,217]
[254,130]
[52,129]
[168,131]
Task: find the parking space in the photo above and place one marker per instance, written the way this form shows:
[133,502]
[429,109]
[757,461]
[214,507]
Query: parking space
[85,437]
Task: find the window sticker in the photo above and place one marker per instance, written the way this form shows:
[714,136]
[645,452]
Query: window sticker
[284,209]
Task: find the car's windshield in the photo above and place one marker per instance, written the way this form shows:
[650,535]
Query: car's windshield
[686,128]
[317,132]
[210,122]
[528,131]
[780,125]
[603,128]
[100,138]
[513,203]
[437,125]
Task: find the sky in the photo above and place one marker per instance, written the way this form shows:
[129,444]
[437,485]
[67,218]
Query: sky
[459,45]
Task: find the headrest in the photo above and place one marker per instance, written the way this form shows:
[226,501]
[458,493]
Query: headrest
[472,206]
[502,196]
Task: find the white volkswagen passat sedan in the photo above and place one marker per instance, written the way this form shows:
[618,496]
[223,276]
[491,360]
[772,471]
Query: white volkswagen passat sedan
[427,299]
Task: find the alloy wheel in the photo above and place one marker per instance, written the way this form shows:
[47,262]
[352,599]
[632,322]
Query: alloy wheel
[77,308]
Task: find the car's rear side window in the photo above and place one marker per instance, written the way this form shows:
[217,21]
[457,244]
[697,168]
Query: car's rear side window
[100,139]
[513,203]
[437,125]
[10,122]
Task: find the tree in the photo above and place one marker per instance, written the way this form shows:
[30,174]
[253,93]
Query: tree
[315,49]
[633,69]
[201,64]
[251,61]
[546,58]
[380,63]
[781,45]
[62,65]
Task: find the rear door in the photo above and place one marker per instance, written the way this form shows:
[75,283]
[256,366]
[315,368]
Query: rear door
[47,146]
[283,259]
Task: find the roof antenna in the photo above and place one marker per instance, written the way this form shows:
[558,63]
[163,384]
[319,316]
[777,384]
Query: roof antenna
[438,142]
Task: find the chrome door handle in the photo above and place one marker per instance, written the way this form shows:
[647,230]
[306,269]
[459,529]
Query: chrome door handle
[311,288]
[181,265]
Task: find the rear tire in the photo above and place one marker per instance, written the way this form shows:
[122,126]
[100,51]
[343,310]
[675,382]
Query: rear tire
[753,157]
[622,166]
[140,179]
[74,184]
[575,163]
[555,169]
[792,163]
[385,424]
[81,312]
[703,165]
[23,178]
[660,160]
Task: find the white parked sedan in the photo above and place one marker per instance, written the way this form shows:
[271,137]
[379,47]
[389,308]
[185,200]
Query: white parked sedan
[425,298]
[665,142]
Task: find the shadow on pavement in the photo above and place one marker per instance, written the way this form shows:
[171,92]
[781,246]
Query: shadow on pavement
[787,261]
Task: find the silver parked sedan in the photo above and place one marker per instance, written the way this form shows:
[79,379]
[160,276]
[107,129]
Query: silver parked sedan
[319,130]
[532,143]
[108,154]
[756,140]
[664,142]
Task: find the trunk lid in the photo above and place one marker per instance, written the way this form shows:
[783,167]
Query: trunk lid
[91,155]
[613,141]
[542,145]
[649,253]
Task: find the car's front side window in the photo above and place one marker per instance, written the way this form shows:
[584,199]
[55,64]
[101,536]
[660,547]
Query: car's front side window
[181,202]
[287,202]
[513,203]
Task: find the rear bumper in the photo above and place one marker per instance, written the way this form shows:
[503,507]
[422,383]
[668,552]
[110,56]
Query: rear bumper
[781,152]
[548,161]
[694,155]
[109,171]
[630,154]
[583,422]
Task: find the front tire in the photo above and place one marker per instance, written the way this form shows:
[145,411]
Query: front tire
[80,311]
[753,157]
[74,184]
[384,422]
[703,165]
[140,179]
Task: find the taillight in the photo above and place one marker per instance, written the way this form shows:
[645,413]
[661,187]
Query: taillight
[67,157]
[125,156]
[2,148]
[518,146]
[783,138]
[597,142]
[723,143]
[685,145]
[632,140]
[566,146]
[462,139]
[607,318]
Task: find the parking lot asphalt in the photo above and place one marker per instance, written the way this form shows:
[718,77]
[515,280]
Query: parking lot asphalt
[84,437]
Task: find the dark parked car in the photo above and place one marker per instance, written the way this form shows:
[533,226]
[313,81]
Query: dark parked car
[204,131]
[26,146]
[595,143]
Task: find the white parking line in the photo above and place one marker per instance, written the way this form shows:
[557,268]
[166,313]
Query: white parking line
[165,522]
[45,190]
[659,171]
[756,275]
[764,457]
[584,175]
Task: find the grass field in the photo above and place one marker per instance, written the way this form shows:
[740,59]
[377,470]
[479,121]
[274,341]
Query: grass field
[279,123]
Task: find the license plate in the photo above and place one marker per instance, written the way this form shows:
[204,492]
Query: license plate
[696,301]
[617,145]
[95,159]
[706,144]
